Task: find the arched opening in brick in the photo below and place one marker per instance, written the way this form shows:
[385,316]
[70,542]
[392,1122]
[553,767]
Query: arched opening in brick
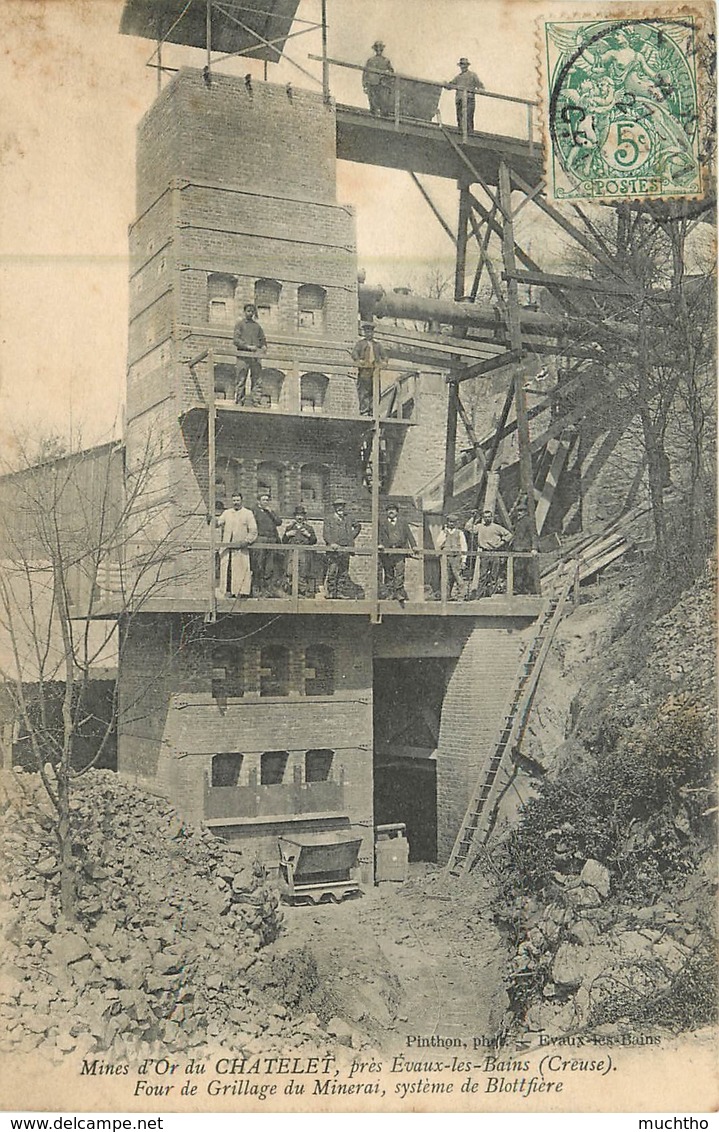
[318,765]
[273,381]
[221,299]
[311,299]
[319,670]
[228,672]
[226,769]
[273,767]
[315,488]
[274,670]
[271,480]
[225,380]
[313,392]
[267,301]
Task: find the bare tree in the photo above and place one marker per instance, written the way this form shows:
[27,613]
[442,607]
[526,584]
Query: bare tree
[659,363]
[76,568]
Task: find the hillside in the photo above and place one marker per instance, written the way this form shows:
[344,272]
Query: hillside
[609,879]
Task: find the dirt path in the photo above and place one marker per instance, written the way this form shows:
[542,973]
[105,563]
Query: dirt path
[419,959]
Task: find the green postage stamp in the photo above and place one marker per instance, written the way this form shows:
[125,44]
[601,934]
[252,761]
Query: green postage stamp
[621,104]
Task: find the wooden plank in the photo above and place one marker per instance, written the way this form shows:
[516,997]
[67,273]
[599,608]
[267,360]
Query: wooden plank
[432,205]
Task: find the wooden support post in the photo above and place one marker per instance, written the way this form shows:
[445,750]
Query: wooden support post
[515,338]
[295,575]
[212,491]
[208,36]
[450,452]
[376,437]
[443,580]
[434,208]
[460,265]
[325,63]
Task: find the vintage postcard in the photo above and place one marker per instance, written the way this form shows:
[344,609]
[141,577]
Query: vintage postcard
[357,556]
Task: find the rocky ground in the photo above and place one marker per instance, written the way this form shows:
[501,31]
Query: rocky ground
[626,939]
[179,943]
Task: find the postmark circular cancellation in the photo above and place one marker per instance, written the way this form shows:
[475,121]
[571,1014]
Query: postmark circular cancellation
[622,109]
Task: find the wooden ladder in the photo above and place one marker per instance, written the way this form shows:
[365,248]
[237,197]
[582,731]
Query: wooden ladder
[477,821]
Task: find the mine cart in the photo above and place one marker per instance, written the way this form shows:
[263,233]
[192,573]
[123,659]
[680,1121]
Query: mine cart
[418,99]
[316,867]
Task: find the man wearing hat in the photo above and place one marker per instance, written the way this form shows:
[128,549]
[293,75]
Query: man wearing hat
[300,533]
[339,531]
[451,539]
[251,346]
[394,534]
[378,82]
[265,565]
[465,86]
[369,358]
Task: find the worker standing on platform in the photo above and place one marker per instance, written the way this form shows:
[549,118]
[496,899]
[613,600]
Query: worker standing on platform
[370,357]
[491,538]
[251,346]
[265,565]
[339,532]
[465,86]
[238,528]
[394,534]
[378,82]
[451,539]
[300,533]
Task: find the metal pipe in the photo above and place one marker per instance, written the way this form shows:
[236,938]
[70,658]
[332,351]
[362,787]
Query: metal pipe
[375,302]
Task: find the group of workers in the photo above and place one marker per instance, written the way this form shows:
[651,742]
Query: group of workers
[261,571]
[378,83]
[473,568]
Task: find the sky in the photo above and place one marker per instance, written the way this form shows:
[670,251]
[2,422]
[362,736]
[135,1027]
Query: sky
[73,91]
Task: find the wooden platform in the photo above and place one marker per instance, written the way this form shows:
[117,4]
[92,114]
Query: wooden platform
[422,147]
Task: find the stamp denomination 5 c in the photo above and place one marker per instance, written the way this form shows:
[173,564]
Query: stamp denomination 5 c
[621,100]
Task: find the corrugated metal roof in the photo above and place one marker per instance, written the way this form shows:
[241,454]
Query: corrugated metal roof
[180,21]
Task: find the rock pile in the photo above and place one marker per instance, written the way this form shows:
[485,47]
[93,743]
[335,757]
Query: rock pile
[169,923]
[594,962]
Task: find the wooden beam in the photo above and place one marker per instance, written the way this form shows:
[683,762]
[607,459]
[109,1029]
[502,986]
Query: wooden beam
[450,452]
[574,282]
[515,339]
[460,266]
[484,258]
[550,484]
[481,369]
[569,228]
[481,460]
[435,210]
[475,173]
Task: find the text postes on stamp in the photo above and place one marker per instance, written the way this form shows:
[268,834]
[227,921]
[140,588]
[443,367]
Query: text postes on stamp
[621,100]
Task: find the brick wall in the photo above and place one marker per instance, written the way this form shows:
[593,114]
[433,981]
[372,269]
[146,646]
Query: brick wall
[476,700]
[229,133]
[171,726]
[422,454]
